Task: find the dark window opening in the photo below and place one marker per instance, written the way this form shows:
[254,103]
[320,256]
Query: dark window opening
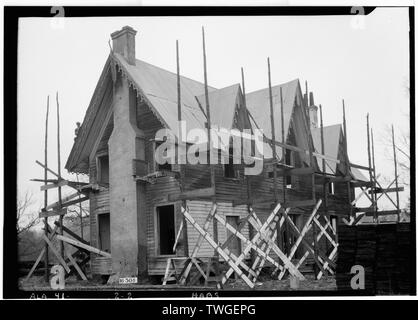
[104,231]
[234,245]
[103,169]
[288,161]
[162,167]
[229,169]
[166,229]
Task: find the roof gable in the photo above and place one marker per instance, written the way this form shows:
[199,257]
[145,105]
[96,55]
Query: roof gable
[332,138]
[222,104]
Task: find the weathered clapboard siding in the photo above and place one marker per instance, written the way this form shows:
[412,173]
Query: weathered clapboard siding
[199,211]
[99,203]
[101,265]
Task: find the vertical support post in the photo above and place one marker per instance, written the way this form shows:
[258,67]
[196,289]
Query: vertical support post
[179,146]
[373,158]
[247,178]
[347,162]
[312,165]
[284,177]
[81,214]
[372,191]
[273,132]
[283,141]
[212,169]
[325,184]
[396,173]
[61,231]
[46,260]
[274,152]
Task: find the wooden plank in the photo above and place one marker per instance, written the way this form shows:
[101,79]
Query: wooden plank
[55,252]
[302,234]
[54,185]
[193,194]
[309,248]
[383,213]
[74,263]
[258,200]
[219,250]
[272,217]
[84,246]
[45,180]
[273,234]
[45,214]
[367,209]
[178,236]
[196,248]
[72,202]
[299,203]
[366,184]
[380,190]
[40,256]
[287,263]
[74,235]
[46,168]
[295,171]
[352,165]
[71,196]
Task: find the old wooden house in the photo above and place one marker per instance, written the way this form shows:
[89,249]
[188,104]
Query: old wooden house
[135,204]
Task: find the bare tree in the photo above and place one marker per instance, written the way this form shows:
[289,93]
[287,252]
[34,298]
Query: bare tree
[25,220]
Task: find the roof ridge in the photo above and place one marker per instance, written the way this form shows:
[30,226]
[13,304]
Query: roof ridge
[188,78]
[277,85]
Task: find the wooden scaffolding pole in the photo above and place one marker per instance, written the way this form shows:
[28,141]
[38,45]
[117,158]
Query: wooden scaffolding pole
[81,213]
[46,260]
[247,178]
[374,170]
[284,177]
[179,150]
[274,153]
[209,148]
[312,165]
[347,167]
[372,193]
[61,231]
[396,173]
[325,184]
[283,141]
[273,132]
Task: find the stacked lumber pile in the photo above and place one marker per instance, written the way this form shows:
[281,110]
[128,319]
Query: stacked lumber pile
[346,256]
[405,255]
[386,259]
[384,252]
[366,253]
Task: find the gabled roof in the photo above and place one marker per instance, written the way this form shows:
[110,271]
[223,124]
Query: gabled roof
[258,104]
[332,136]
[222,104]
[160,88]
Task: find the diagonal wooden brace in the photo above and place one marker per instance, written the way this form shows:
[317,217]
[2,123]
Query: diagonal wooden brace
[272,216]
[218,249]
[303,232]
[188,266]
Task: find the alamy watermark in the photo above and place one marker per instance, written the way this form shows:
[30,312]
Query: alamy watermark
[191,147]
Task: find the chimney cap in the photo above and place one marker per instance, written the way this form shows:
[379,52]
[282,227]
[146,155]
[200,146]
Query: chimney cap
[125,29]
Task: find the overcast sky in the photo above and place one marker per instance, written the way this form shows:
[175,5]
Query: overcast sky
[364,62]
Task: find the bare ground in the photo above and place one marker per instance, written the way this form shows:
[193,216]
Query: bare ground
[37,283]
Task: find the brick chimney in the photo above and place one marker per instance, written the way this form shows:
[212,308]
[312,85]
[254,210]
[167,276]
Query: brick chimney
[313,112]
[124,43]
